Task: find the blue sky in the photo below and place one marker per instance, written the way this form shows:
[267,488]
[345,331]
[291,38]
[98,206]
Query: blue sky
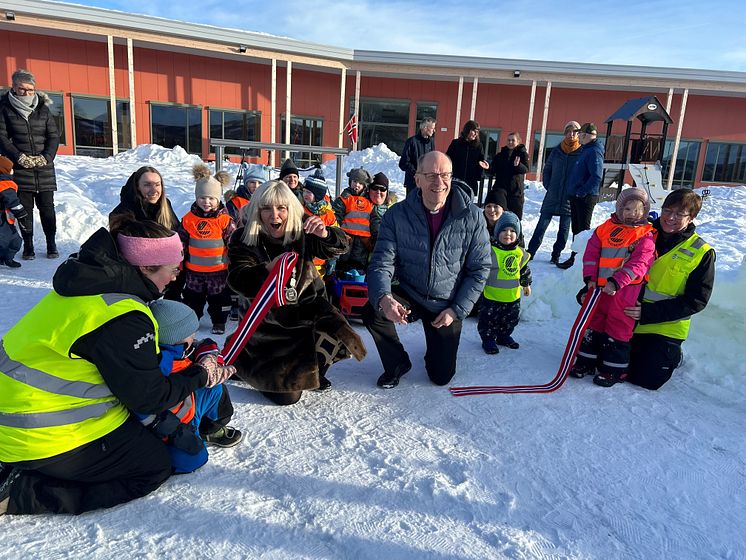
[683,33]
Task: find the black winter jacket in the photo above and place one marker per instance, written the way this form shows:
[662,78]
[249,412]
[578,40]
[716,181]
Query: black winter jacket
[466,157]
[37,136]
[414,148]
[121,349]
[509,177]
[130,202]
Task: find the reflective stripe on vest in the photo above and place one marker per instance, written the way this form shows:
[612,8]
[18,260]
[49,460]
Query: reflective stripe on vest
[357,215]
[51,400]
[618,241]
[206,249]
[186,409]
[667,280]
[504,280]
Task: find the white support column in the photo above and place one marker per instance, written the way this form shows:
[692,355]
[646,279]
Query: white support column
[288,107]
[669,99]
[131,73]
[112,97]
[474,98]
[529,134]
[540,162]
[457,125]
[357,107]
[342,122]
[273,111]
[676,143]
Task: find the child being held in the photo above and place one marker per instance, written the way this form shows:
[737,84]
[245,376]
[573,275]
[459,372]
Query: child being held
[617,258]
[500,304]
[11,210]
[205,231]
[204,415]
[316,202]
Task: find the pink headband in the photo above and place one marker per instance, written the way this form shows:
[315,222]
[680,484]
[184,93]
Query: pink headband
[150,251]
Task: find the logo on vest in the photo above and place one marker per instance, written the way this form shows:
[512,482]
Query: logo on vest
[614,237]
[203,228]
[511,264]
[360,204]
[143,340]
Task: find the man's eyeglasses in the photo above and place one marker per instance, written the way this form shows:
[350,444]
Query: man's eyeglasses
[432,177]
[670,214]
[24,91]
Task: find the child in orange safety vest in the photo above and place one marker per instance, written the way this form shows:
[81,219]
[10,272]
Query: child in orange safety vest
[11,211]
[353,208]
[617,258]
[316,202]
[205,231]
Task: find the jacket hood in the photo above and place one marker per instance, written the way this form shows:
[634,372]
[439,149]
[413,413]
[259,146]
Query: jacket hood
[99,269]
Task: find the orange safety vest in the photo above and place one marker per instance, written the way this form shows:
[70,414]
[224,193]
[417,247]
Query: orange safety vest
[185,410]
[207,250]
[238,202]
[617,243]
[357,215]
[5,185]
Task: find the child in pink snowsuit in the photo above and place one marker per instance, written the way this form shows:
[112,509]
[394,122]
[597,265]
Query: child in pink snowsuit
[617,259]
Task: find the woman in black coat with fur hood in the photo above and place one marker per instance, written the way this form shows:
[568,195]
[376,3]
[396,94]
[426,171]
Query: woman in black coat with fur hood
[296,343]
[509,168]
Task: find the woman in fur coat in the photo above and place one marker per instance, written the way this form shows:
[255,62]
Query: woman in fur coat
[295,344]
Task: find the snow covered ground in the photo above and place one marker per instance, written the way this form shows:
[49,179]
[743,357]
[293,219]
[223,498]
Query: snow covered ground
[413,472]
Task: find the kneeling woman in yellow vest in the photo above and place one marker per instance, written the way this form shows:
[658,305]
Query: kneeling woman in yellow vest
[680,283]
[74,365]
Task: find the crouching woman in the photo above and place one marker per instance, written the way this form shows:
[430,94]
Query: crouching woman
[295,344]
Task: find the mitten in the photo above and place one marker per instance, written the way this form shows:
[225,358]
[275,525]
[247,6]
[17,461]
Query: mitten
[185,438]
[165,424]
[25,161]
[39,161]
[19,212]
[216,374]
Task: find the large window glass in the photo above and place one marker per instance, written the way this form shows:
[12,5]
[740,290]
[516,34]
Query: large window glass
[384,121]
[236,125]
[92,126]
[177,125]
[490,139]
[57,108]
[686,162]
[724,163]
[425,110]
[305,131]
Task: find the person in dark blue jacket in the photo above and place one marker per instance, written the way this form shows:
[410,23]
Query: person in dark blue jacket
[414,148]
[585,183]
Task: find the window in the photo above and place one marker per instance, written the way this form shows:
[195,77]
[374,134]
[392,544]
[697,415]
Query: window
[57,108]
[724,163]
[384,121]
[307,132]
[490,139]
[92,126]
[236,125]
[686,162]
[425,110]
[177,125]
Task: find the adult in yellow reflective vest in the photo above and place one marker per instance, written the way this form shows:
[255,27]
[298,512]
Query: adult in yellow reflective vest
[72,367]
[500,305]
[680,284]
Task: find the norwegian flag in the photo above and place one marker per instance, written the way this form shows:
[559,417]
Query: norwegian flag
[351,129]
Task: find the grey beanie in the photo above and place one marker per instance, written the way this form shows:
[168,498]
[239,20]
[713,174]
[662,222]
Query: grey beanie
[508,219]
[360,175]
[176,321]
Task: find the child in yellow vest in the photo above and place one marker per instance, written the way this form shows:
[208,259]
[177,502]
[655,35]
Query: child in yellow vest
[500,304]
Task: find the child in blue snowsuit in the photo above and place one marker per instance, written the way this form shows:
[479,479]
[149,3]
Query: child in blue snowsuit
[11,211]
[202,417]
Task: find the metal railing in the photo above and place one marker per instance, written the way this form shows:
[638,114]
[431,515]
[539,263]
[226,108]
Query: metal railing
[221,144]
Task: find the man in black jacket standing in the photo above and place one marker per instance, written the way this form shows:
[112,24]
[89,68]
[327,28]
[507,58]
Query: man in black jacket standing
[415,147]
[29,137]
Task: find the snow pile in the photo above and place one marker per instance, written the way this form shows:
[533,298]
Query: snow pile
[412,472]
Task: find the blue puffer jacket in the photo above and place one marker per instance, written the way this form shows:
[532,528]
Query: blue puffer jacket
[450,274]
[555,176]
[586,176]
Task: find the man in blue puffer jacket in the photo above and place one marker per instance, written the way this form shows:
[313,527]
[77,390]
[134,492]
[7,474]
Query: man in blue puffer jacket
[584,183]
[436,244]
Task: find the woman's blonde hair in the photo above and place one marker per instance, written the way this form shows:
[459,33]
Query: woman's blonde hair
[272,193]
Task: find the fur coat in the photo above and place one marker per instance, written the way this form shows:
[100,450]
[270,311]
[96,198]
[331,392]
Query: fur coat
[281,357]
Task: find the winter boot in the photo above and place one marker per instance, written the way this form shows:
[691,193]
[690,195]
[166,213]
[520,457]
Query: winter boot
[11,263]
[225,436]
[28,247]
[389,380]
[590,348]
[568,263]
[218,328]
[52,252]
[614,363]
[507,340]
[8,475]
[581,369]
[490,347]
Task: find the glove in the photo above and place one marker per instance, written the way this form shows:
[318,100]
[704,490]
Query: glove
[216,374]
[20,214]
[185,438]
[25,161]
[39,161]
[165,424]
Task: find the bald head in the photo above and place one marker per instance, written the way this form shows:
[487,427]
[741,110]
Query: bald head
[430,160]
[433,178]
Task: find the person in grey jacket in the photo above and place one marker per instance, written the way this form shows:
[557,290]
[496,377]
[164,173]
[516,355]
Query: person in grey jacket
[436,244]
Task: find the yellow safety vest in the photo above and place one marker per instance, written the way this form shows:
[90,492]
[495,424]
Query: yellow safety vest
[667,280]
[52,401]
[504,281]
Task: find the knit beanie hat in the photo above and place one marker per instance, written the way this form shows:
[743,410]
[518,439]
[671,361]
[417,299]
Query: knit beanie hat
[360,175]
[316,183]
[206,184]
[288,168]
[381,180]
[6,166]
[496,196]
[633,193]
[176,321]
[508,219]
[575,125]
[255,172]
[589,128]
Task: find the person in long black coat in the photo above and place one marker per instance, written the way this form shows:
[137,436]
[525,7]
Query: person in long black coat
[29,138]
[467,156]
[509,168]
[414,148]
